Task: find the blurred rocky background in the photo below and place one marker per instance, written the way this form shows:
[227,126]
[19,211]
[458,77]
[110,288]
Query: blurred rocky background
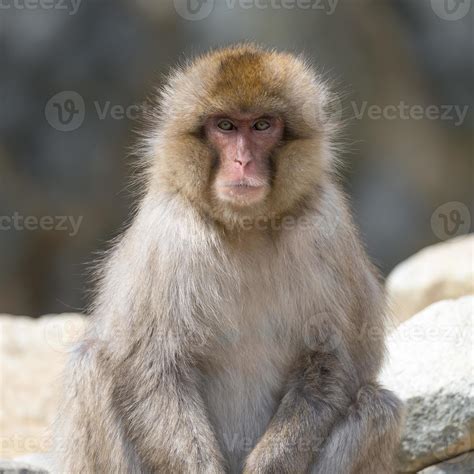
[74,74]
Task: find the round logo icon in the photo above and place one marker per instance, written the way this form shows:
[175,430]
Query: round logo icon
[61,334]
[65,111]
[194,10]
[320,333]
[451,10]
[317,116]
[450,220]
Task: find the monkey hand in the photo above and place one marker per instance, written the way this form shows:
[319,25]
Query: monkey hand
[211,469]
[259,463]
[275,458]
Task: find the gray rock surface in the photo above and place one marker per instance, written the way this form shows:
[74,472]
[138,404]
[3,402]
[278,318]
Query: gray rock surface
[463,464]
[13,467]
[430,366]
[442,271]
[42,461]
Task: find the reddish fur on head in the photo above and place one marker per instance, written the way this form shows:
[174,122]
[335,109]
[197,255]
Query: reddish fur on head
[243,84]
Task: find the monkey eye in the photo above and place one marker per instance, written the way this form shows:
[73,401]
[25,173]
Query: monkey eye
[226,125]
[261,125]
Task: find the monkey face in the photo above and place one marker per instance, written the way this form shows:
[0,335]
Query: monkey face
[243,144]
[233,137]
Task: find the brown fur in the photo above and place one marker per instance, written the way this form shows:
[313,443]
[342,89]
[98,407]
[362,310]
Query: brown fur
[248,79]
[220,347]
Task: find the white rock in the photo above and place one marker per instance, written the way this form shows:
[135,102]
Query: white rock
[430,366]
[442,271]
[32,356]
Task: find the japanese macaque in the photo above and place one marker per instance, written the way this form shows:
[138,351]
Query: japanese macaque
[238,325]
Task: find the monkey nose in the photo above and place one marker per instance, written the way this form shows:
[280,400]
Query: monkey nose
[243,159]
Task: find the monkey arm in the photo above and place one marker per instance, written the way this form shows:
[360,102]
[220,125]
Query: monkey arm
[326,432]
[325,383]
[333,417]
[166,421]
[133,415]
[315,398]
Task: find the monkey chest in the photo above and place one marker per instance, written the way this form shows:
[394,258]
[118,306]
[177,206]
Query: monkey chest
[242,388]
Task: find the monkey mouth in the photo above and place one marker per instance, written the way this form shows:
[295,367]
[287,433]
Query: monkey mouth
[242,185]
[245,182]
[243,191]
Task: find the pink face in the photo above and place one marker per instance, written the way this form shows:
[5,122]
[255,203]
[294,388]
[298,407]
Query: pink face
[244,144]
